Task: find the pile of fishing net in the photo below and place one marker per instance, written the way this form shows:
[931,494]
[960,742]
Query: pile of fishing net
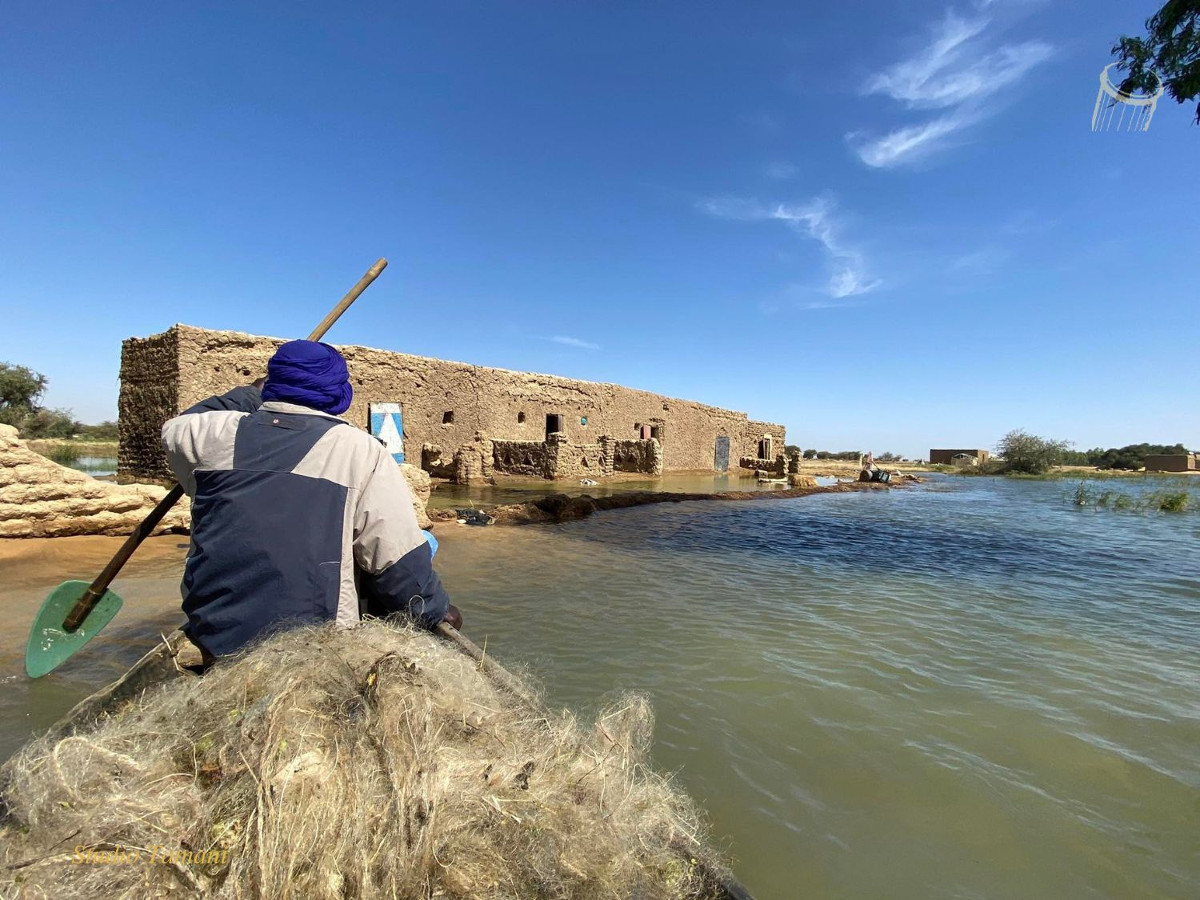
[373,762]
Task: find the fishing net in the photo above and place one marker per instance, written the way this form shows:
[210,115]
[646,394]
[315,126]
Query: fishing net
[373,762]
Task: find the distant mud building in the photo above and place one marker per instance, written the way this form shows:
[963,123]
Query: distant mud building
[1171,462]
[452,419]
[958,457]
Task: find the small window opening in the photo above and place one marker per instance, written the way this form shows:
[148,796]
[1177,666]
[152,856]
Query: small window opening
[520,418]
[448,417]
[656,432]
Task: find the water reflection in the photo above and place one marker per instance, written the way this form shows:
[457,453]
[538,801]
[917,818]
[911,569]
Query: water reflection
[967,689]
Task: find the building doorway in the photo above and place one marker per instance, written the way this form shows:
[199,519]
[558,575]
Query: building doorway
[554,423]
[721,454]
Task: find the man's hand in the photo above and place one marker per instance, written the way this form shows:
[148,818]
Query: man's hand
[453,617]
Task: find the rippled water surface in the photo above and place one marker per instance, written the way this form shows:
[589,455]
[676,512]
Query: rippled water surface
[967,689]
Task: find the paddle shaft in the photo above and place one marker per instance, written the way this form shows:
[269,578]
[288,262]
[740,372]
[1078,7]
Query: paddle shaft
[97,588]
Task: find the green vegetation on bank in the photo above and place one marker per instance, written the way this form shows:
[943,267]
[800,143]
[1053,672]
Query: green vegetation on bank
[1130,457]
[21,389]
[1024,454]
[1148,501]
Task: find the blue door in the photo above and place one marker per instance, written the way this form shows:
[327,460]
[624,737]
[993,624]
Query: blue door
[721,454]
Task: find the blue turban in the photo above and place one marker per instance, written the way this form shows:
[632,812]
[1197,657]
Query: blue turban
[310,374]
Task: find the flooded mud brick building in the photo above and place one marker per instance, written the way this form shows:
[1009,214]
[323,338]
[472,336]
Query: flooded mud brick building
[452,419]
[946,457]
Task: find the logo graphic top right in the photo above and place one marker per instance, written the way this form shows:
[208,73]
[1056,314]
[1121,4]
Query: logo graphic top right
[1117,110]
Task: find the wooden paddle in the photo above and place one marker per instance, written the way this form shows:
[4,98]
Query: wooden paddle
[76,611]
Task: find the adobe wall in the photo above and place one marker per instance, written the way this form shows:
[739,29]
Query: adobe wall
[445,404]
[1174,462]
[946,457]
[149,394]
[521,458]
[756,431]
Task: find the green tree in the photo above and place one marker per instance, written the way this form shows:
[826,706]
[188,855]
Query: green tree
[48,423]
[1170,51]
[810,454]
[1131,456]
[105,431]
[20,390]
[1029,454]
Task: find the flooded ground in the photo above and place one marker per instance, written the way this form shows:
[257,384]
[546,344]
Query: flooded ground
[519,490]
[970,688]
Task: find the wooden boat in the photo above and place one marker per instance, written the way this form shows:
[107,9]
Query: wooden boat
[175,655]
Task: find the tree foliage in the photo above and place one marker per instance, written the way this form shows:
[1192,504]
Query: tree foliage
[1170,51]
[105,431]
[1029,454]
[20,390]
[1131,456]
[851,455]
[20,387]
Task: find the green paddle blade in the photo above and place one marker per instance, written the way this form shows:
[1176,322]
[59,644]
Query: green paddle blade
[49,645]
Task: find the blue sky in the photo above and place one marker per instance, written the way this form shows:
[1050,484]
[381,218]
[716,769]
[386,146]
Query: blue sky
[886,225]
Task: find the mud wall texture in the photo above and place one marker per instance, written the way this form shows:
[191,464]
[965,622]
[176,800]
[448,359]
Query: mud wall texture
[636,456]
[520,458]
[1176,462]
[149,385]
[445,404]
[756,433]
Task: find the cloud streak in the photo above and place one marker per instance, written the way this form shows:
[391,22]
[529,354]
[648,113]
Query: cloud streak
[816,220]
[574,342]
[955,73]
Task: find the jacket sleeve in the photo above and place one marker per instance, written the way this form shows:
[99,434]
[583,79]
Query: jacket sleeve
[394,559]
[201,432]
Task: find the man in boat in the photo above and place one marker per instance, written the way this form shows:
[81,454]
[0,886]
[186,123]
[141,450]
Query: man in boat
[297,516]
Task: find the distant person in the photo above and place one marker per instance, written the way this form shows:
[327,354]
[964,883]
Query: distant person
[295,513]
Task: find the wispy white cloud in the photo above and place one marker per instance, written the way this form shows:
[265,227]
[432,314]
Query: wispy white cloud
[781,170]
[906,144]
[956,72]
[815,219]
[574,342]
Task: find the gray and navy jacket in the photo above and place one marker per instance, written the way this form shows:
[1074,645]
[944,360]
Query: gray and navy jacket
[295,513]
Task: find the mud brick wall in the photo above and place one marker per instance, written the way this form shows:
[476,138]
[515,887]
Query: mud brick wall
[636,456]
[444,403]
[777,466]
[149,396]
[756,431]
[521,458]
[570,460]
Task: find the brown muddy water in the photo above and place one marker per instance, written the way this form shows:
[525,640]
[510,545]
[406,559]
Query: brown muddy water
[971,688]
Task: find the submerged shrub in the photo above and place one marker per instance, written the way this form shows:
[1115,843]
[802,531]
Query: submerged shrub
[63,454]
[1172,502]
